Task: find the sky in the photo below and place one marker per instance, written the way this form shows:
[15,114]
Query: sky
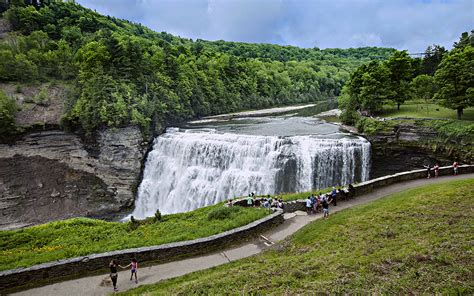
[402,24]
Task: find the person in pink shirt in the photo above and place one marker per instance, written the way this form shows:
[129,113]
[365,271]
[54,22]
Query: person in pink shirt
[134,265]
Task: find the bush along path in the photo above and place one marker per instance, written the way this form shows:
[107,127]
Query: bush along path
[100,284]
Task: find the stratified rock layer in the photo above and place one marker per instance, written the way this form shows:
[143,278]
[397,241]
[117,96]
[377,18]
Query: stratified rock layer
[409,146]
[50,175]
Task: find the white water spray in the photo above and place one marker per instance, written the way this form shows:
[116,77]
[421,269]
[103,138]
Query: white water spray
[191,169]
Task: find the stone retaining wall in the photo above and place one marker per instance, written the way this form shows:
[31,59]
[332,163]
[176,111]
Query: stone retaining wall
[368,186]
[67,268]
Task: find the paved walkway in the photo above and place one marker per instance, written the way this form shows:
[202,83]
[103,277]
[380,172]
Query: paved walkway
[100,285]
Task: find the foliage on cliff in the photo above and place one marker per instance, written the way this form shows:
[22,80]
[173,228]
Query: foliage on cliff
[128,74]
[446,129]
[8,109]
[363,250]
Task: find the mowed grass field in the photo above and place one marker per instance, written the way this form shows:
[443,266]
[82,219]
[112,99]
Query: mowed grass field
[419,241]
[82,236]
[423,110]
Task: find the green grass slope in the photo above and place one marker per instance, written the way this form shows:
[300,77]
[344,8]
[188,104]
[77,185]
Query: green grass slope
[81,236]
[415,242]
[422,110]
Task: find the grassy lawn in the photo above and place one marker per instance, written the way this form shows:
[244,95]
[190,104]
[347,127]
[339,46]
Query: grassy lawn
[302,195]
[422,110]
[81,236]
[419,241]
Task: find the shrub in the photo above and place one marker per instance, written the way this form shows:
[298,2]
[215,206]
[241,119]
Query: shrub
[133,224]
[157,216]
[451,129]
[42,97]
[222,213]
[18,89]
[8,109]
[371,126]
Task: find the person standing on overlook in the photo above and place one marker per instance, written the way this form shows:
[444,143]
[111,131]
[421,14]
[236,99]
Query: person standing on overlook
[308,205]
[436,170]
[334,195]
[325,204]
[455,167]
[428,170]
[250,200]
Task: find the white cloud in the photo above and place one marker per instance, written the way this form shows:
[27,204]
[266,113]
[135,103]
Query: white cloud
[403,24]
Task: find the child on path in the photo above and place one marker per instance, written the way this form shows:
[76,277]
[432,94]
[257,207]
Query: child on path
[134,265]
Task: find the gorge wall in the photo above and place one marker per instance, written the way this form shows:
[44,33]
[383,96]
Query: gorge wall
[52,175]
[409,146]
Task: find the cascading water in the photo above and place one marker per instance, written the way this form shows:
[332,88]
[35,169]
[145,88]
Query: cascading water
[194,168]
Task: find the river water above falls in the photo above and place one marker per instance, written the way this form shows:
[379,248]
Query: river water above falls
[205,163]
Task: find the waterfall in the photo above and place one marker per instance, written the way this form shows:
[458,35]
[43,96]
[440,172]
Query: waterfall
[195,168]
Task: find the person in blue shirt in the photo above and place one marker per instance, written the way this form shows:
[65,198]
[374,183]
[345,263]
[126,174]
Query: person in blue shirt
[334,195]
[313,203]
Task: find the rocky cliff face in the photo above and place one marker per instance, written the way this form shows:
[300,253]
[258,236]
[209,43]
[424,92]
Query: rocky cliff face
[53,175]
[409,146]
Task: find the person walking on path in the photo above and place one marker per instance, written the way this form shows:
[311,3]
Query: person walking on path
[436,170]
[455,168]
[325,204]
[134,265]
[113,273]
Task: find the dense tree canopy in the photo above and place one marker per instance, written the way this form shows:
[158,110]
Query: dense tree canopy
[128,74]
[447,77]
[423,87]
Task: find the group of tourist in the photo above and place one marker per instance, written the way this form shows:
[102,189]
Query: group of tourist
[435,169]
[113,266]
[314,203]
[266,202]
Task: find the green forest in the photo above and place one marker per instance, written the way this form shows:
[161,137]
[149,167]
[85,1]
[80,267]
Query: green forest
[126,74]
[441,77]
